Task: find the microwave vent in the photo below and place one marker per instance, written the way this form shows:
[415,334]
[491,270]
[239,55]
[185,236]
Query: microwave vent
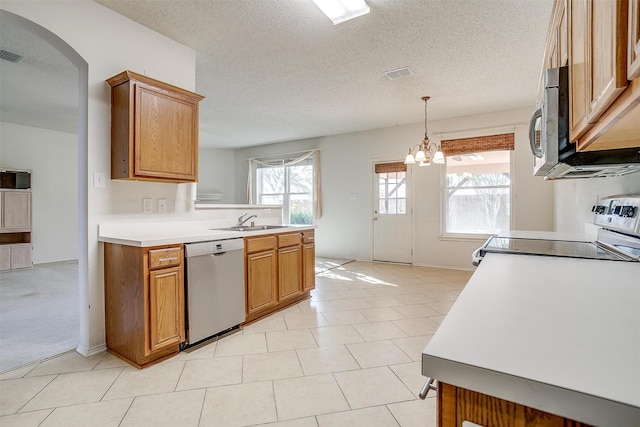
[10,56]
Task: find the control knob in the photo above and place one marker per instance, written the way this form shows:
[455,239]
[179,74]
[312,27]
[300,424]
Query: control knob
[599,209]
[628,211]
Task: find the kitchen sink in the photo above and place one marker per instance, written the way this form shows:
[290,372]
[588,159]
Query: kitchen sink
[251,227]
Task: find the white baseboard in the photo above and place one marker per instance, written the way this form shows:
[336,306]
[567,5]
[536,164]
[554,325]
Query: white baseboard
[96,349]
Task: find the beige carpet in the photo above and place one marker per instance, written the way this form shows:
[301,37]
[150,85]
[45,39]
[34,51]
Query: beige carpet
[39,313]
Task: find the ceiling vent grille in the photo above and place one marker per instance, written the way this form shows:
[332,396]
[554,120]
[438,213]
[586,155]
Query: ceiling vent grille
[398,73]
[10,56]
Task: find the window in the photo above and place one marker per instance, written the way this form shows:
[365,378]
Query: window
[289,186]
[392,188]
[392,196]
[477,193]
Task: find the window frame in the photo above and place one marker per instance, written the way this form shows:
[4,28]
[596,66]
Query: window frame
[444,234]
[286,194]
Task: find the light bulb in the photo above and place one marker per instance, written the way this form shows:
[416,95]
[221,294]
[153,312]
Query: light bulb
[409,160]
[420,157]
[438,158]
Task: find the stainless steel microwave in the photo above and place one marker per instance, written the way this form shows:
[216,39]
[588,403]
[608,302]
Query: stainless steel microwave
[554,155]
[15,179]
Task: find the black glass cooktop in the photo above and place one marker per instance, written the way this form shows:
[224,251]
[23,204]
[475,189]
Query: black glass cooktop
[562,248]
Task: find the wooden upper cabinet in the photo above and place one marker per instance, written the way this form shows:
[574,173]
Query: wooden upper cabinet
[15,211]
[579,67]
[556,49]
[607,38]
[604,95]
[633,56]
[154,130]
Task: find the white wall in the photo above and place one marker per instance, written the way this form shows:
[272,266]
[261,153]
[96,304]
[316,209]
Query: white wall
[52,157]
[575,197]
[109,43]
[345,230]
[216,172]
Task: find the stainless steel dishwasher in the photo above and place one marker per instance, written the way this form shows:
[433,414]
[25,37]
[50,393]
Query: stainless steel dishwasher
[214,287]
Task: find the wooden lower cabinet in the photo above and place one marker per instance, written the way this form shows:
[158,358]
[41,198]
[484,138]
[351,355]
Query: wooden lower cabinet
[457,405]
[261,281]
[289,272]
[279,271]
[144,302]
[166,325]
[308,261]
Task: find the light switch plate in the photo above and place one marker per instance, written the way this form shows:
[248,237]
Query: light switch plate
[162,205]
[146,205]
[98,180]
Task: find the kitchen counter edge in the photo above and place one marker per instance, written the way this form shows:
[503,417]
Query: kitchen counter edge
[182,236]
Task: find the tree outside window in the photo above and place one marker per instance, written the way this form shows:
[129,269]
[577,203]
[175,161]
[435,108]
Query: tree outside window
[477,193]
[289,186]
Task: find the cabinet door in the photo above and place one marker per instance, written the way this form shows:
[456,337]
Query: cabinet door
[607,57]
[5,257]
[309,266]
[165,135]
[633,66]
[261,281]
[289,272]
[578,67]
[563,50]
[166,308]
[16,210]
[21,256]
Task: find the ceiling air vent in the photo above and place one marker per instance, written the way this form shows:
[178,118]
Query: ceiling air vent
[400,72]
[10,56]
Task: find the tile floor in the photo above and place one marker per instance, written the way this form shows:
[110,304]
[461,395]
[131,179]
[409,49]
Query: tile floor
[349,356]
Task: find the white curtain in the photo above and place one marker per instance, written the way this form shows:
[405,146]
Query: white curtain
[286,160]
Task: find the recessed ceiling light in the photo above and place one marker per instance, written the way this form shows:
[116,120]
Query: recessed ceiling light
[342,10]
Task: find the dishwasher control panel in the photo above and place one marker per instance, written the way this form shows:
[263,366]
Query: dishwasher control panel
[212,247]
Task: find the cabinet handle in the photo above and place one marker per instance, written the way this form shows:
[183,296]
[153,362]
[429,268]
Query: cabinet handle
[173,258]
[428,385]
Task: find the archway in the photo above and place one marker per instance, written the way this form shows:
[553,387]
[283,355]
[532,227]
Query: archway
[82,165]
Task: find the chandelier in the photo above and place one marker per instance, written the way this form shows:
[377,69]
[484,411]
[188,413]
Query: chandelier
[426,152]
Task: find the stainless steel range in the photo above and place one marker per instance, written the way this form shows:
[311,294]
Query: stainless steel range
[618,237]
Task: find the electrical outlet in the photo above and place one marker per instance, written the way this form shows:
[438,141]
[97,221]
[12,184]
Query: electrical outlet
[266,211]
[146,205]
[162,205]
[98,180]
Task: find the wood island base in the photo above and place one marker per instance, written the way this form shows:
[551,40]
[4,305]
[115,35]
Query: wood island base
[456,405]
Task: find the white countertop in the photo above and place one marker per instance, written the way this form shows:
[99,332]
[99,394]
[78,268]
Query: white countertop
[557,334]
[175,232]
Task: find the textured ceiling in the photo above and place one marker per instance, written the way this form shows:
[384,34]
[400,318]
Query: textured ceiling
[278,70]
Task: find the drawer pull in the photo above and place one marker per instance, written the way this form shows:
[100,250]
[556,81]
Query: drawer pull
[173,258]
[428,385]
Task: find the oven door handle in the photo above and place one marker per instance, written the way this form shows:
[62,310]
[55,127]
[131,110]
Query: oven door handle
[476,257]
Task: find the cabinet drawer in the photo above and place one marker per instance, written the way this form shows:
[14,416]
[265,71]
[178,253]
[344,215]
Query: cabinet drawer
[288,239]
[258,244]
[167,257]
[308,236]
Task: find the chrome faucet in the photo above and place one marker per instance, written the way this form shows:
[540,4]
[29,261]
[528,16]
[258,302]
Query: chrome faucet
[242,219]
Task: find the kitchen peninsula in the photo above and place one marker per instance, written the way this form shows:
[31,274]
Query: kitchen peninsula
[145,285]
[532,336]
